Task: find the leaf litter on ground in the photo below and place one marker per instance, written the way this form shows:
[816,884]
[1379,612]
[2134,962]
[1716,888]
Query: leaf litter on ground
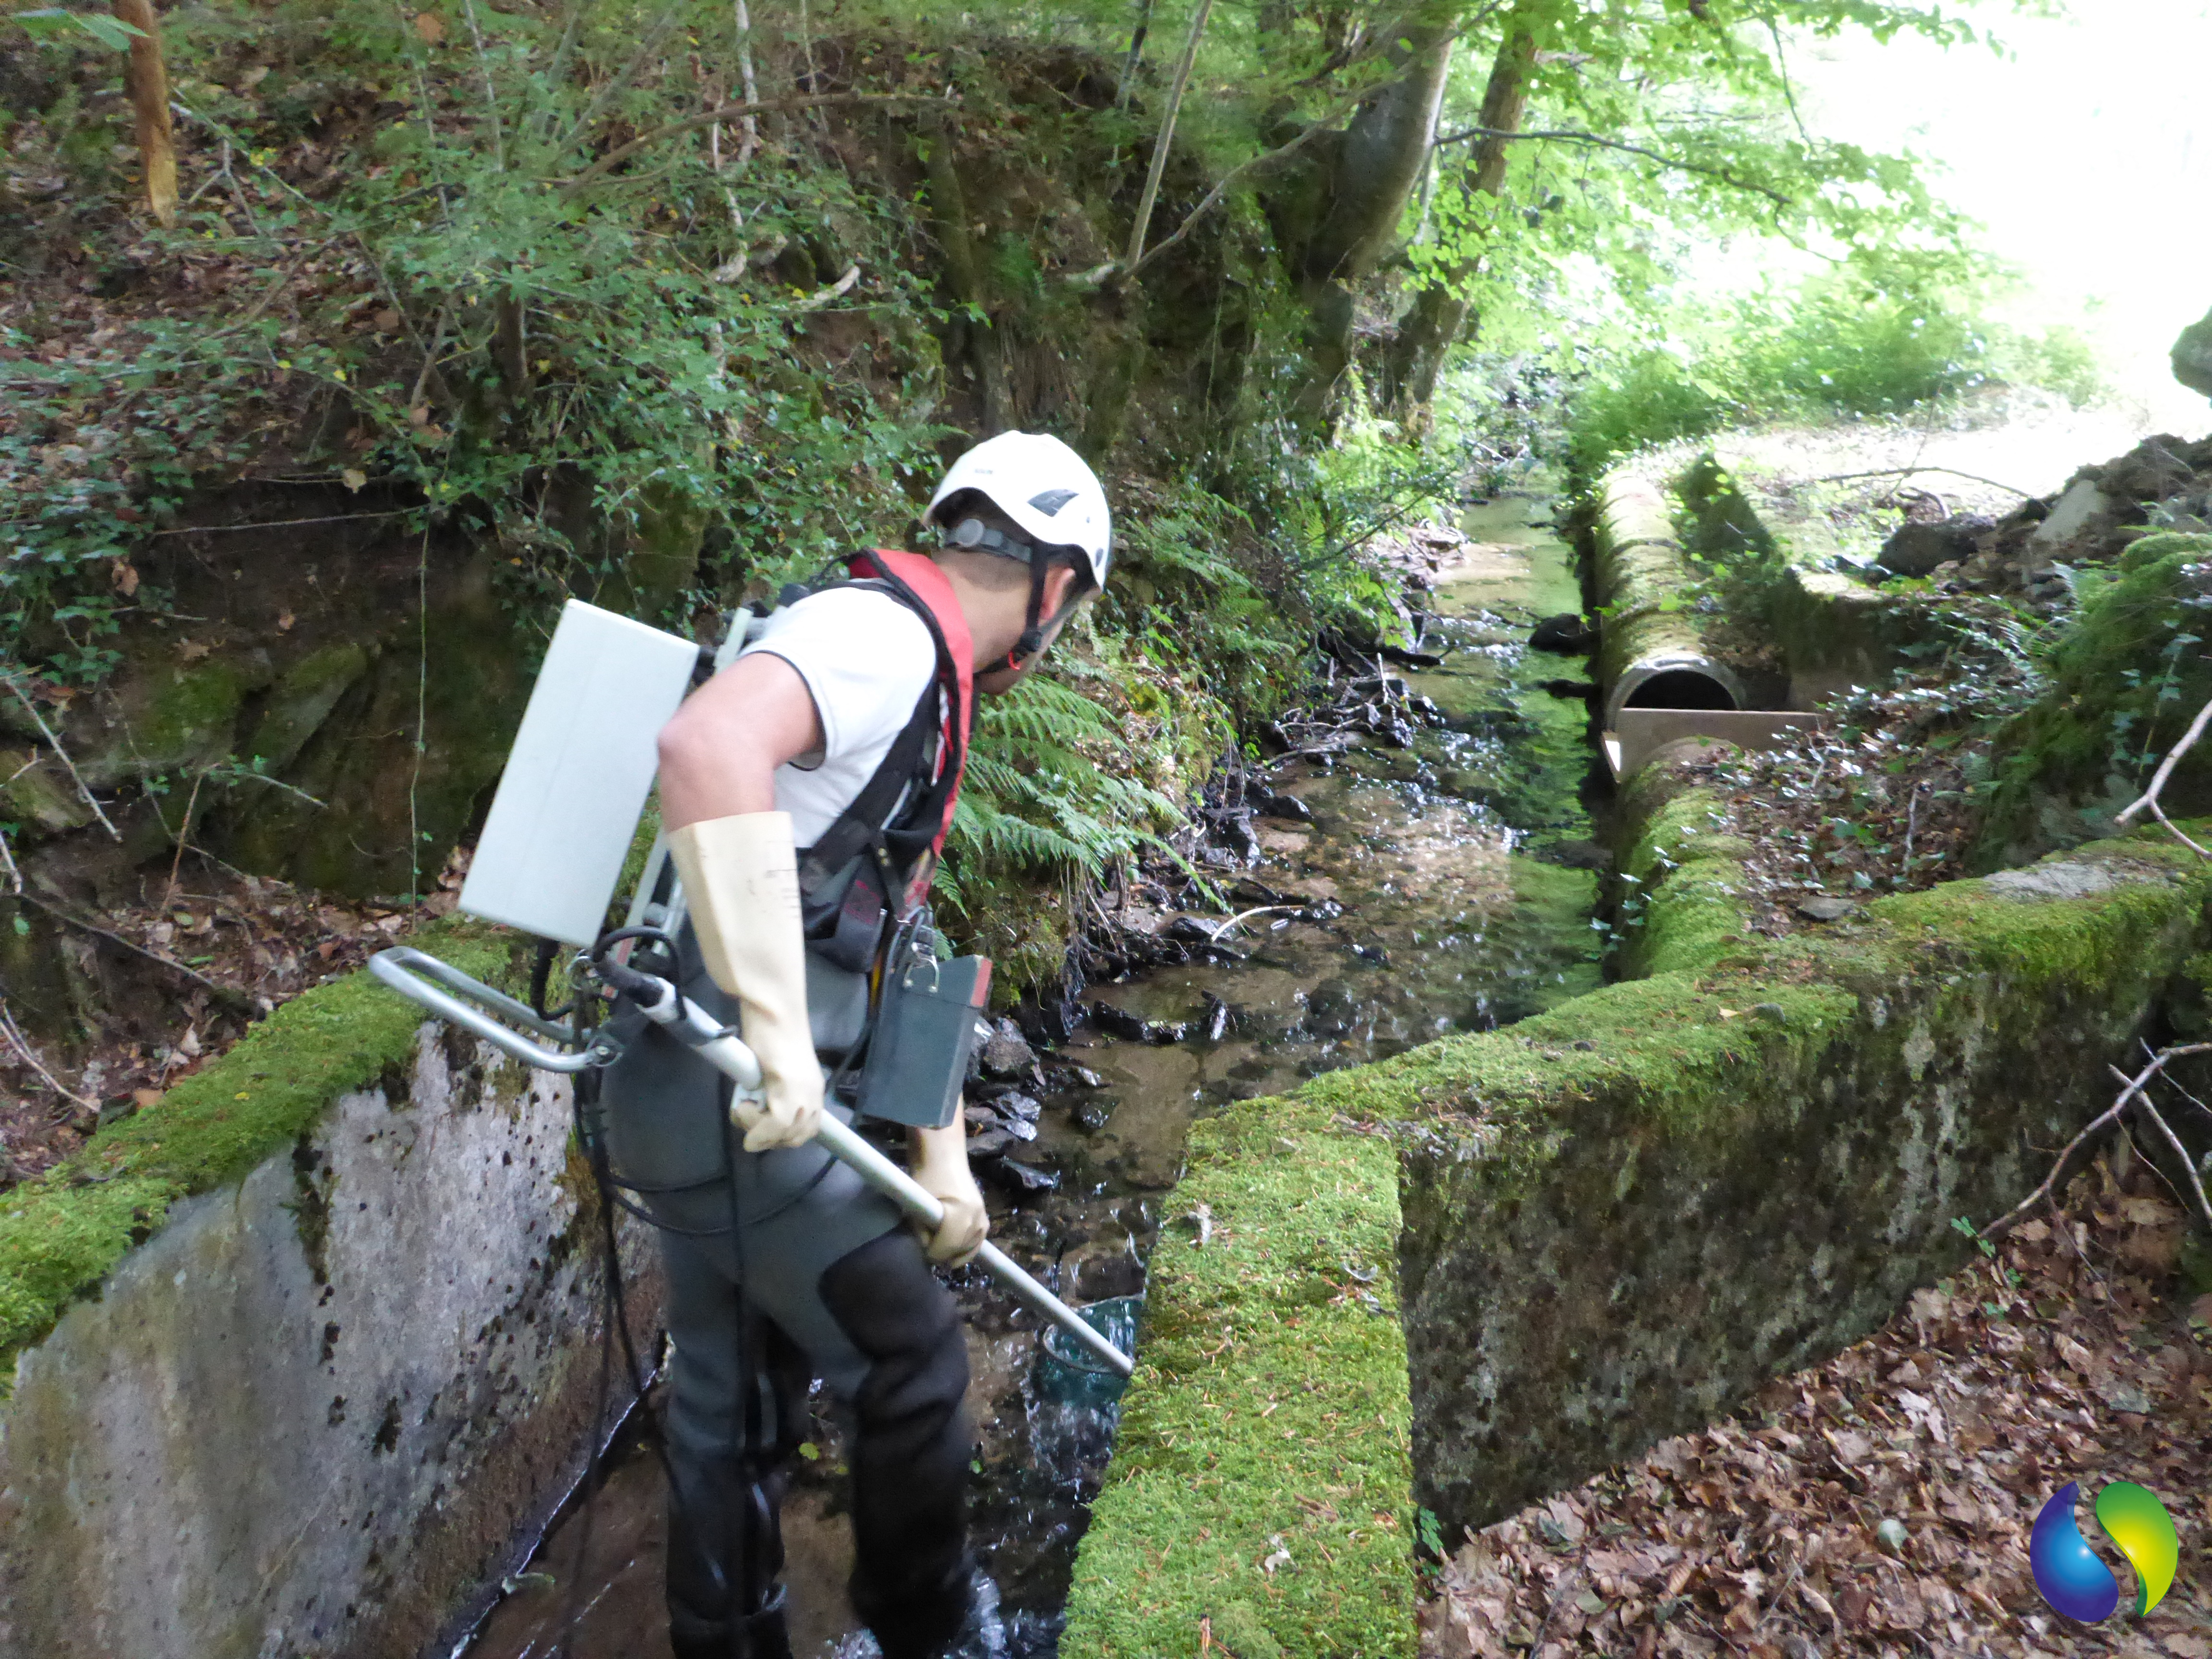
[1880,1504]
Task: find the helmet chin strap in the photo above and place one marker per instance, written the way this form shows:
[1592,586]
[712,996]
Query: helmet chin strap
[1032,639]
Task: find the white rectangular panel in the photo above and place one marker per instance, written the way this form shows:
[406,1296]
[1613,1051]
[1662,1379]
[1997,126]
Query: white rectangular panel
[578,775]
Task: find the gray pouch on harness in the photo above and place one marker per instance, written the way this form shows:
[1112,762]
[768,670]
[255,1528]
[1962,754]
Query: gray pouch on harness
[925,1027]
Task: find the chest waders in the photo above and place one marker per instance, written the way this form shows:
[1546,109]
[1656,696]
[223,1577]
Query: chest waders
[782,1264]
[652,1101]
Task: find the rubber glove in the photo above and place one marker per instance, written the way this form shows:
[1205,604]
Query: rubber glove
[938,1165]
[741,881]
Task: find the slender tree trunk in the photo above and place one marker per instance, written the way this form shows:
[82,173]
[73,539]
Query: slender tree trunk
[147,80]
[1167,136]
[1439,312]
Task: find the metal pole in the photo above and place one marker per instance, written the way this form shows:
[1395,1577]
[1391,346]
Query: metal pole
[411,973]
[728,1055]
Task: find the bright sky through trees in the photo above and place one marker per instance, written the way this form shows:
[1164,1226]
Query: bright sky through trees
[2088,156]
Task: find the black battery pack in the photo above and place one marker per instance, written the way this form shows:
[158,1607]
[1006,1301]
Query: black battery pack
[925,1029]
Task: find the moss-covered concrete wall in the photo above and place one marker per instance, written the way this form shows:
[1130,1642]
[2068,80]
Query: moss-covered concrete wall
[1260,1487]
[1622,1216]
[1829,632]
[1612,1223]
[300,1349]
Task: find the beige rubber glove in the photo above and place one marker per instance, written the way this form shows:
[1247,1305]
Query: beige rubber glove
[741,881]
[938,1165]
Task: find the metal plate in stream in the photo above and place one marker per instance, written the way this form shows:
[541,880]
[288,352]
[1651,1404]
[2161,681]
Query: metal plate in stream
[1463,910]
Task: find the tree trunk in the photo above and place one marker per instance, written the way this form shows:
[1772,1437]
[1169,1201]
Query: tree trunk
[147,80]
[1372,174]
[1384,150]
[1439,311]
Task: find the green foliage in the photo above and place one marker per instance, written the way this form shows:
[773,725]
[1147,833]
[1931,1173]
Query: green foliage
[58,23]
[1881,338]
[581,367]
[1047,788]
[2126,676]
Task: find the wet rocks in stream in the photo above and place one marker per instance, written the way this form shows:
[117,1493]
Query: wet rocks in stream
[1566,633]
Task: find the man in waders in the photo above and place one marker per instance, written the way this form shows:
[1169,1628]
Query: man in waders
[806,791]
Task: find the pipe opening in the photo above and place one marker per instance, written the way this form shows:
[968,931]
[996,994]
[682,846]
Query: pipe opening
[1681,688]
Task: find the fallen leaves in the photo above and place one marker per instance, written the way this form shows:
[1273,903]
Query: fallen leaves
[1880,1504]
[260,938]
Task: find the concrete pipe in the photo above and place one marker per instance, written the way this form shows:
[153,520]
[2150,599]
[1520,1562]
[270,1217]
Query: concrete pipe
[1650,657]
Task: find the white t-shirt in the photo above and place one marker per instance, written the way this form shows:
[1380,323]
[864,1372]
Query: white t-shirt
[866,659]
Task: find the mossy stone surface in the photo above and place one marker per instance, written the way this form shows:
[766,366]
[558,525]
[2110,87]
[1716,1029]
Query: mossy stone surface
[60,1234]
[1260,1481]
[389,812]
[177,716]
[1623,1215]
[301,700]
[2126,682]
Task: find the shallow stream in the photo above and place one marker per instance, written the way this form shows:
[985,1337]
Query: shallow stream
[1443,887]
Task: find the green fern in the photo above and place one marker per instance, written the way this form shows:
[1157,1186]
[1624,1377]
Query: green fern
[1052,787]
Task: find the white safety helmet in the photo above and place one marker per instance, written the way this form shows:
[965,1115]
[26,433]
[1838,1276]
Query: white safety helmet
[1040,484]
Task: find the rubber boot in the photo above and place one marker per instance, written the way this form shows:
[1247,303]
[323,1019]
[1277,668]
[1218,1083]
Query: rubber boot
[765,1635]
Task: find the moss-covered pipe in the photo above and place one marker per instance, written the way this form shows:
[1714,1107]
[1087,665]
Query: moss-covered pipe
[1653,652]
[1678,892]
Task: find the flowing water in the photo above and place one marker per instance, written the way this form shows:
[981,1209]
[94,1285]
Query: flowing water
[1444,886]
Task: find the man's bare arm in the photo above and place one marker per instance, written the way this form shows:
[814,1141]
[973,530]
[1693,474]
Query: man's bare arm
[719,755]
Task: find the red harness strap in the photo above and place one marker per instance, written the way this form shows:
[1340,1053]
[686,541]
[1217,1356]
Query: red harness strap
[927,583]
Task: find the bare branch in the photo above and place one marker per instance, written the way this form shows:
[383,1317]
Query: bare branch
[1160,144]
[22,1045]
[1733,180]
[2102,1122]
[1212,198]
[2180,1152]
[836,291]
[55,744]
[1909,471]
[236,1000]
[2165,771]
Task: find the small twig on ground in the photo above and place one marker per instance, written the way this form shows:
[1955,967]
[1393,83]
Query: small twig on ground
[1263,910]
[1907,471]
[2149,797]
[7,858]
[22,1045]
[184,837]
[2103,1121]
[55,744]
[1568,1581]
[2180,1152]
